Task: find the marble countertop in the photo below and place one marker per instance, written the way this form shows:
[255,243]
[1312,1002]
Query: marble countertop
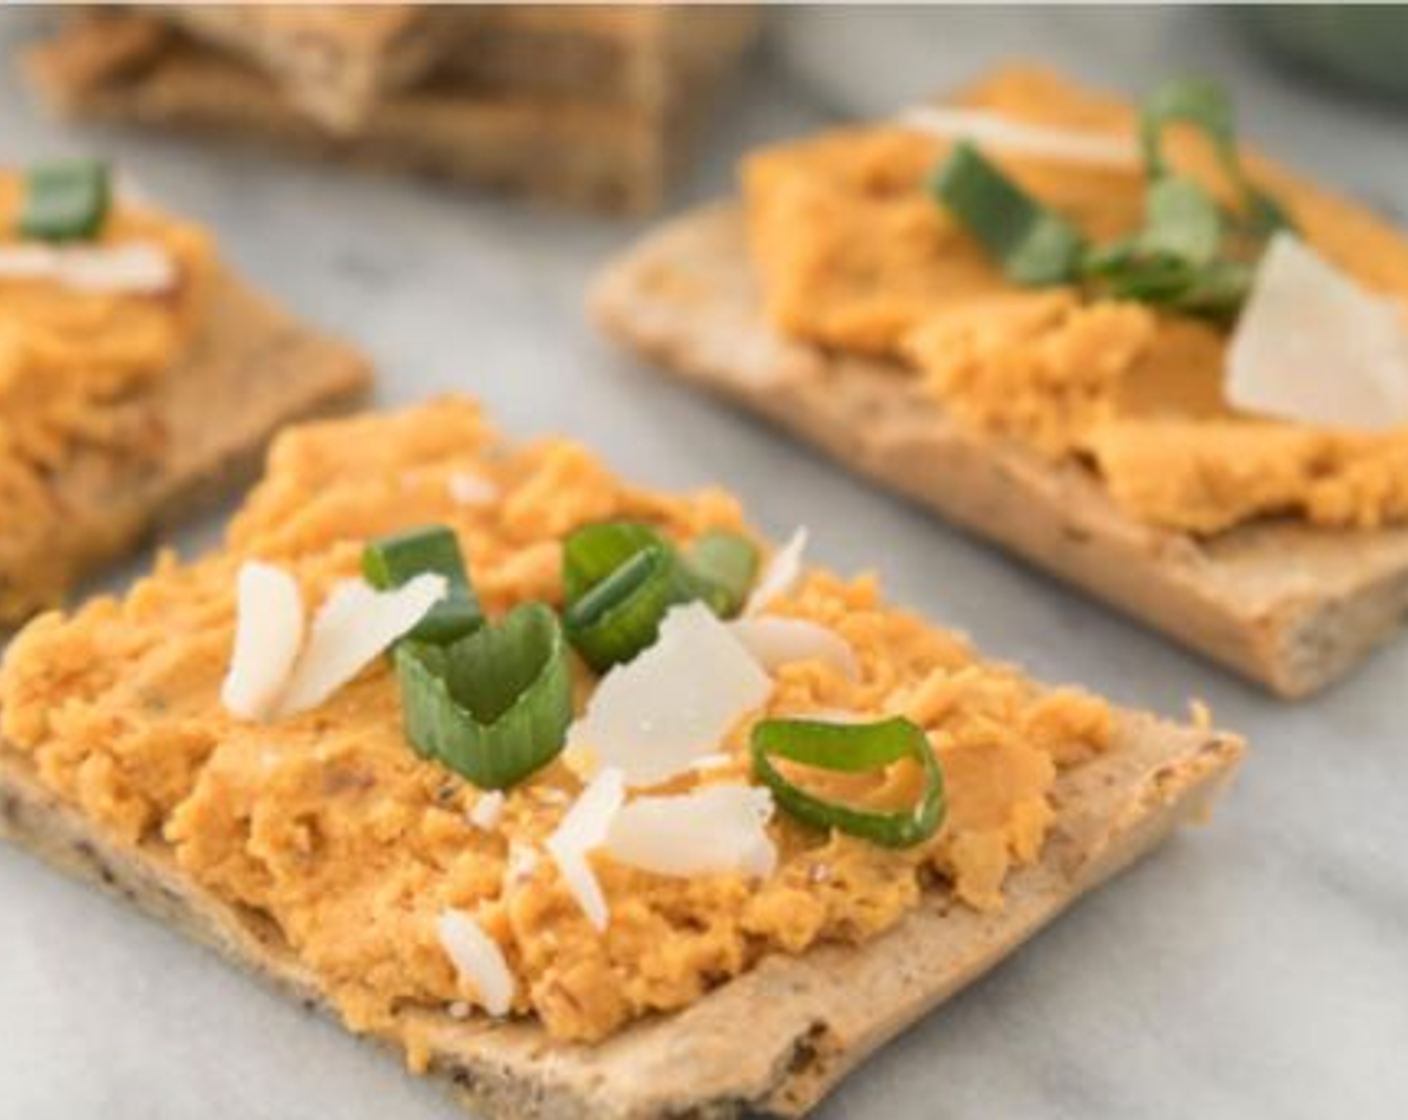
[1256,967]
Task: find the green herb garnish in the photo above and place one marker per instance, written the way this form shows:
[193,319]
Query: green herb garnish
[621,577]
[1190,255]
[853,749]
[493,706]
[1034,244]
[65,200]
[393,560]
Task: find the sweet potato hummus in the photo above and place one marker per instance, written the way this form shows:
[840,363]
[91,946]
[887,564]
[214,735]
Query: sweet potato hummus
[351,844]
[855,255]
[73,368]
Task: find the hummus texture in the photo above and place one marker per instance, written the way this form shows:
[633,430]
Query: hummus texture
[855,254]
[74,367]
[332,827]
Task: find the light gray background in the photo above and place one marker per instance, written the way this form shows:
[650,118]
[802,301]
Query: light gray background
[1258,967]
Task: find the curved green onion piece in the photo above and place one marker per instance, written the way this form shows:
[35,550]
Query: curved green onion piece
[620,615]
[851,748]
[1206,106]
[725,564]
[621,577]
[494,706]
[65,200]
[393,560]
[1033,243]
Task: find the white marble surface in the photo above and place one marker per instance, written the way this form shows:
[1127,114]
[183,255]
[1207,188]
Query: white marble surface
[1258,967]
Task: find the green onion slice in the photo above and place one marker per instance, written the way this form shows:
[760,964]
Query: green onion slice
[620,616]
[726,565]
[65,200]
[621,577]
[851,748]
[1034,244]
[393,560]
[1206,106]
[493,706]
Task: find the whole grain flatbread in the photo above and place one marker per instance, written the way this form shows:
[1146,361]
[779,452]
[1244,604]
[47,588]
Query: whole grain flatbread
[776,1038]
[125,67]
[1288,605]
[250,370]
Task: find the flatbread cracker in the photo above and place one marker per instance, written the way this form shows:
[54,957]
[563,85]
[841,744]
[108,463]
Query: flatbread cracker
[128,68]
[777,1038]
[1288,605]
[250,370]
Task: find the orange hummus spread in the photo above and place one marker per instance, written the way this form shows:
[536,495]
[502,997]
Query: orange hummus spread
[855,255]
[333,828]
[74,366]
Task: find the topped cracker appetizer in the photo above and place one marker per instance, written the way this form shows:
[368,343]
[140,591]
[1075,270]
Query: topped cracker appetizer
[1107,337]
[573,791]
[138,377]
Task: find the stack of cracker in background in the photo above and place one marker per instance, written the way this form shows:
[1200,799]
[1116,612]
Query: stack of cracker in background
[587,105]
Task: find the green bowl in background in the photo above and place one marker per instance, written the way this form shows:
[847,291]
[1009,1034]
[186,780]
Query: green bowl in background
[1360,43]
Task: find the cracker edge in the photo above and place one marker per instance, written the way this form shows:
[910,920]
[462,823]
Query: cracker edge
[805,1031]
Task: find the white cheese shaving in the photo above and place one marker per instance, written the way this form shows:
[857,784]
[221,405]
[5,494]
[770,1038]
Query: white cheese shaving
[583,828]
[478,960]
[988,129]
[780,575]
[353,626]
[776,641]
[135,267]
[652,717]
[711,762]
[1312,345]
[716,830]
[488,810]
[268,634]
[522,862]
[471,489]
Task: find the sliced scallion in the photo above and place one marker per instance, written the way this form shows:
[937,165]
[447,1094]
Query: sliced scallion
[1206,106]
[620,616]
[1033,244]
[65,200]
[726,564]
[851,748]
[621,577]
[392,560]
[493,706]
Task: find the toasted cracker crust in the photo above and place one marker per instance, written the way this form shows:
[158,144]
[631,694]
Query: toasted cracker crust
[250,370]
[127,68]
[778,1037]
[1286,604]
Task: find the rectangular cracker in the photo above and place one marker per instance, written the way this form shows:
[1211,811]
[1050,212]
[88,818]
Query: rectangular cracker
[124,67]
[1288,605]
[250,370]
[777,1038]
[337,62]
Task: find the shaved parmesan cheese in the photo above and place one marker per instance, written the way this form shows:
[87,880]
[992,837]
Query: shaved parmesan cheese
[136,267]
[488,810]
[583,828]
[1021,138]
[653,716]
[471,490]
[268,634]
[711,762]
[777,641]
[478,960]
[522,862]
[353,626]
[1314,346]
[781,573]
[717,830]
